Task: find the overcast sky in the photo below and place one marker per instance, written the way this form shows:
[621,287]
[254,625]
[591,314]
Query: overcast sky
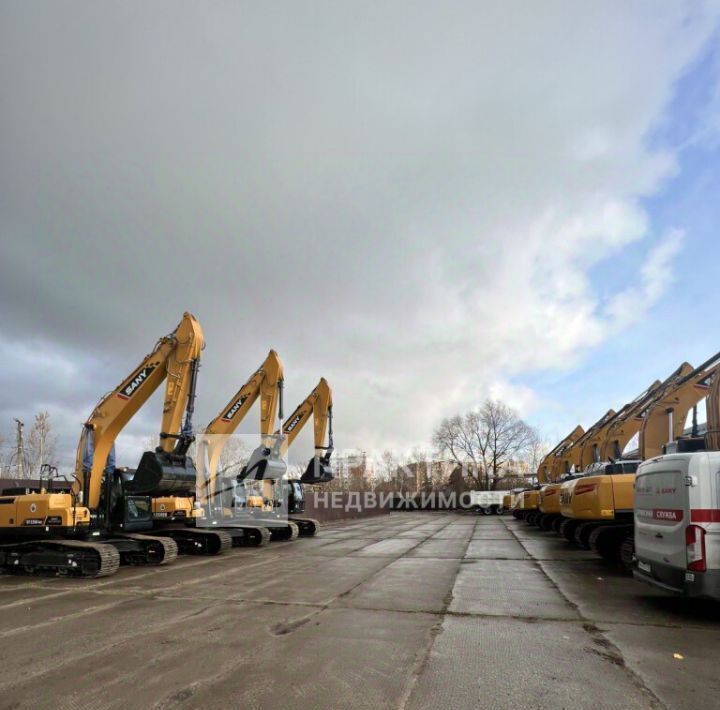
[428,203]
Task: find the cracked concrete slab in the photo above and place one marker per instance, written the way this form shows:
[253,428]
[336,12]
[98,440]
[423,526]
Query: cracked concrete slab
[407,610]
[509,663]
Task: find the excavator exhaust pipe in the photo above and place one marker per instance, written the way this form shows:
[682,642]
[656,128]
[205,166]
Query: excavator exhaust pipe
[160,473]
[319,470]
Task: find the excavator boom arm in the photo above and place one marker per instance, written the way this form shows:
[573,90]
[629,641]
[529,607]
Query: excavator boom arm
[665,420]
[265,383]
[173,357]
[318,404]
[547,469]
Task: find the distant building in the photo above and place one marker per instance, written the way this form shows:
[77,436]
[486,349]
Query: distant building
[354,466]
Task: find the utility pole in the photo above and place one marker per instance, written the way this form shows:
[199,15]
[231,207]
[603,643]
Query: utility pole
[20,452]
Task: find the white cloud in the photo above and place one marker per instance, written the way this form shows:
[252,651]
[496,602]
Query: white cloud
[409,199]
[656,276]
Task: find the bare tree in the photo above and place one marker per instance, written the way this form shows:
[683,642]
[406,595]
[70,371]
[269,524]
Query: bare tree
[536,451]
[389,464]
[5,454]
[41,444]
[235,455]
[484,441]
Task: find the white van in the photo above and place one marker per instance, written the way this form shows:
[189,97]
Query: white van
[677,523]
[487,502]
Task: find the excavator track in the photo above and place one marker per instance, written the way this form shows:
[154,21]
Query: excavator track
[567,529]
[72,558]
[152,550]
[282,530]
[253,536]
[607,541]
[583,532]
[308,527]
[194,541]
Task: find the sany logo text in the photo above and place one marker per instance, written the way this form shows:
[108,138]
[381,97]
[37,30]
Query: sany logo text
[129,389]
[292,423]
[234,409]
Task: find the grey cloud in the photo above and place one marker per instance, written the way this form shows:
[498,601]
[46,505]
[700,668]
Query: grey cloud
[363,187]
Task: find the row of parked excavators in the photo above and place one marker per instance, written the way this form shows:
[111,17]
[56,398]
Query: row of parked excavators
[104,515]
[641,487]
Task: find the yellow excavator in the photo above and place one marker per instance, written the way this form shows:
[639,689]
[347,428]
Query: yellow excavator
[529,507]
[318,405]
[169,475]
[220,495]
[550,468]
[574,460]
[526,504]
[106,517]
[556,468]
[603,502]
[610,435]
[515,501]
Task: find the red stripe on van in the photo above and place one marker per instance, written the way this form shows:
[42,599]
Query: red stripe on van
[705,515]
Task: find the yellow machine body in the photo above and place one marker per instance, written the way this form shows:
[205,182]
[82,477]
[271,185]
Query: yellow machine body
[174,508]
[566,495]
[36,511]
[601,497]
[549,499]
[528,500]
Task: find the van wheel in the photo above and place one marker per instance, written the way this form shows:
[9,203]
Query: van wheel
[487,511]
[557,524]
[499,510]
[627,553]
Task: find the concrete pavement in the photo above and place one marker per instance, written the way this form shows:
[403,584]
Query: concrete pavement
[407,610]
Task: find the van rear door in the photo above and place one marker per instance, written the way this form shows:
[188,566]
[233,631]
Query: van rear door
[661,511]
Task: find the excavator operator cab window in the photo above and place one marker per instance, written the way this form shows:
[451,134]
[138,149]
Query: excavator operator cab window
[137,513]
[295,497]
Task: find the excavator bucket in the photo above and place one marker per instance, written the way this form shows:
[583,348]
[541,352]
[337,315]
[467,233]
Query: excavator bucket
[160,473]
[318,470]
[265,463]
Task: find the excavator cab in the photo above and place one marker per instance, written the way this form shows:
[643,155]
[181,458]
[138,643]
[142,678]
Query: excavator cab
[295,498]
[131,513]
[266,462]
[120,508]
[319,470]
